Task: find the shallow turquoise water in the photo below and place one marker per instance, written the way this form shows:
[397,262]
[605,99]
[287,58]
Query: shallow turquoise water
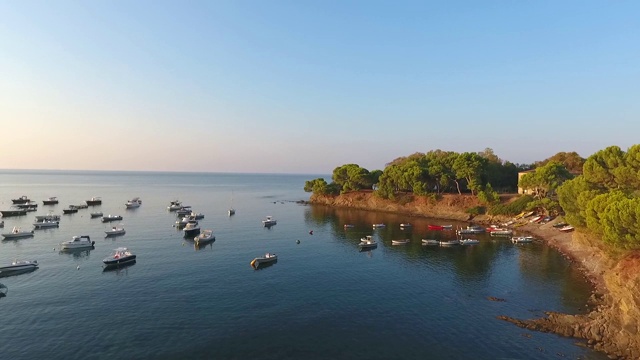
[323,298]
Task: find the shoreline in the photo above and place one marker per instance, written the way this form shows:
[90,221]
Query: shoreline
[612,323]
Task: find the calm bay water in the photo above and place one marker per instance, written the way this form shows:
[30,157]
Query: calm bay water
[323,299]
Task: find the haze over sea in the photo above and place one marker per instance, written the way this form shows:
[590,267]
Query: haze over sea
[323,299]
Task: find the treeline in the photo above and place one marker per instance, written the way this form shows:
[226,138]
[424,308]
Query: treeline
[605,199]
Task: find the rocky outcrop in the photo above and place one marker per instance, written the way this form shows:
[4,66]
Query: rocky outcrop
[613,326]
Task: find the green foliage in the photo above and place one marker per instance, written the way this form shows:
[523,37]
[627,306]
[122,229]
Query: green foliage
[545,206]
[469,166]
[600,167]
[319,186]
[568,197]
[545,179]
[352,177]
[597,206]
[571,160]
[476,210]
[488,196]
[621,223]
[513,208]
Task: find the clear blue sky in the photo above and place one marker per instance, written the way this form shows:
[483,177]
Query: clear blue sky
[305,86]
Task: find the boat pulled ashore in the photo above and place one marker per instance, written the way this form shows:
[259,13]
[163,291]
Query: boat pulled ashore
[266,259]
[120,256]
[205,236]
[78,242]
[522,239]
[17,233]
[19,265]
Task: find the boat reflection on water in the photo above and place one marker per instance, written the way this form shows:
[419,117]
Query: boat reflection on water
[3,291]
[120,268]
[76,253]
[202,246]
[264,265]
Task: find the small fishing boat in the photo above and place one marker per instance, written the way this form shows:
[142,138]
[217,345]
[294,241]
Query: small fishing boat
[269,221]
[48,217]
[115,231]
[7,213]
[186,220]
[567,228]
[379,226]
[501,232]
[232,212]
[405,225]
[50,201]
[536,218]
[120,256]
[197,216]
[349,226]
[439,227]
[449,242]
[96,214]
[72,209]
[78,242]
[174,205]
[205,236]
[82,206]
[110,217]
[400,242]
[191,230]
[21,200]
[133,203]
[46,224]
[430,242]
[367,242]
[19,265]
[469,242]
[522,239]
[473,229]
[17,233]
[185,210]
[94,201]
[266,259]
[29,206]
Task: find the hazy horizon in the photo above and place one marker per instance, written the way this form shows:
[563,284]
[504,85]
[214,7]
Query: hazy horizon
[303,87]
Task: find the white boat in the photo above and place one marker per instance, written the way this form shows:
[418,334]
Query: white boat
[205,236]
[96,214]
[522,239]
[378,226]
[536,218]
[133,203]
[567,228]
[269,221]
[174,205]
[400,242]
[232,212]
[185,210]
[186,220]
[405,225]
[449,242]
[349,226]
[197,216]
[19,265]
[110,217]
[120,256]
[17,233]
[78,242]
[469,242]
[367,243]
[115,231]
[501,232]
[474,229]
[46,224]
[50,217]
[430,242]
[191,230]
[267,258]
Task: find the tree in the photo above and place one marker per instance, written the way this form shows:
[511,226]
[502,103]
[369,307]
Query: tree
[571,160]
[545,179]
[598,169]
[621,223]
[469,166]
[351,177]
[597,207]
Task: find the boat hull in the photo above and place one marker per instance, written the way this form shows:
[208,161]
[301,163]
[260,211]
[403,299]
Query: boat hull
[46,225]
[50,202]
[18,236]
[113,218]
[120,261]
[8,213]
[190,233]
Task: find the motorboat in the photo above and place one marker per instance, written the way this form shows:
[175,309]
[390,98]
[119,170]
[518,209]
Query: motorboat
[7,213]
[48,217]
[82,206]
[378,226]
[21,200]
[29,206]
[205,236]
[567,228]
[367,242]
[96,214]
[191,230]
[269,221]
[501,232]
[94,201]
[50,201]
[522,239]
[536,218]
[266,259]
[17,233]
[46,224]
[232,212]
[196,216]
[78,242]
[120,256]
[186,220]
[110,217]
[19,265]
[185,210]
[400,242]
[133,203]
[405,225]
[349,226]
[430,242]
[449,242]
[115,231]
[473,229]
[72,209]
[469,242]
[174,205]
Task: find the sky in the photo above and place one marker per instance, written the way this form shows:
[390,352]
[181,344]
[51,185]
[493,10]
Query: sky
[270,86]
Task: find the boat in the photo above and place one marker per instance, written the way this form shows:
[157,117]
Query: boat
[72,209]
[560,225]
[78,242]
[29,206]
[174,205]
[349,226]
[191,230]
[469,242]
[133,203]
[50,201]
[378,226]
[19,265]
[21,200]
[430,242]
[449,242]
[400,242]
[94,201]
[17,233]
[501,232]
[522,239]
[530,213]
[406,225]
[266,259]
[197,216]
[48,217]
[110,217]
[367,242]
[186,220]
[8,213]
[185,210]
[82,206]
[567,228]
[232,212]
[536,218]
[96,214]
[472,229]
[120,256]
[439,227]
[269,221]
[115,231]
[205,236]
[46,224]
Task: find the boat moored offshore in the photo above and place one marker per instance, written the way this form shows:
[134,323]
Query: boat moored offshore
[78,242]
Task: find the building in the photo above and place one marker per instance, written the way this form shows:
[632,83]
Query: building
[520,174]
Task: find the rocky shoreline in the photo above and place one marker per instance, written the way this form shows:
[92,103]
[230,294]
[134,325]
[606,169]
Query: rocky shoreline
[613,324]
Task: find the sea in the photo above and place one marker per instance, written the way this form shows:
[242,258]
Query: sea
[322,299]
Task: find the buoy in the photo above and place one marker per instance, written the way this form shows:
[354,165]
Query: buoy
[78,268]
[297,241]
[310,232]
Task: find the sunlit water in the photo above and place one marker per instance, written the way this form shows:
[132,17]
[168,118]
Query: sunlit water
[323,299]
